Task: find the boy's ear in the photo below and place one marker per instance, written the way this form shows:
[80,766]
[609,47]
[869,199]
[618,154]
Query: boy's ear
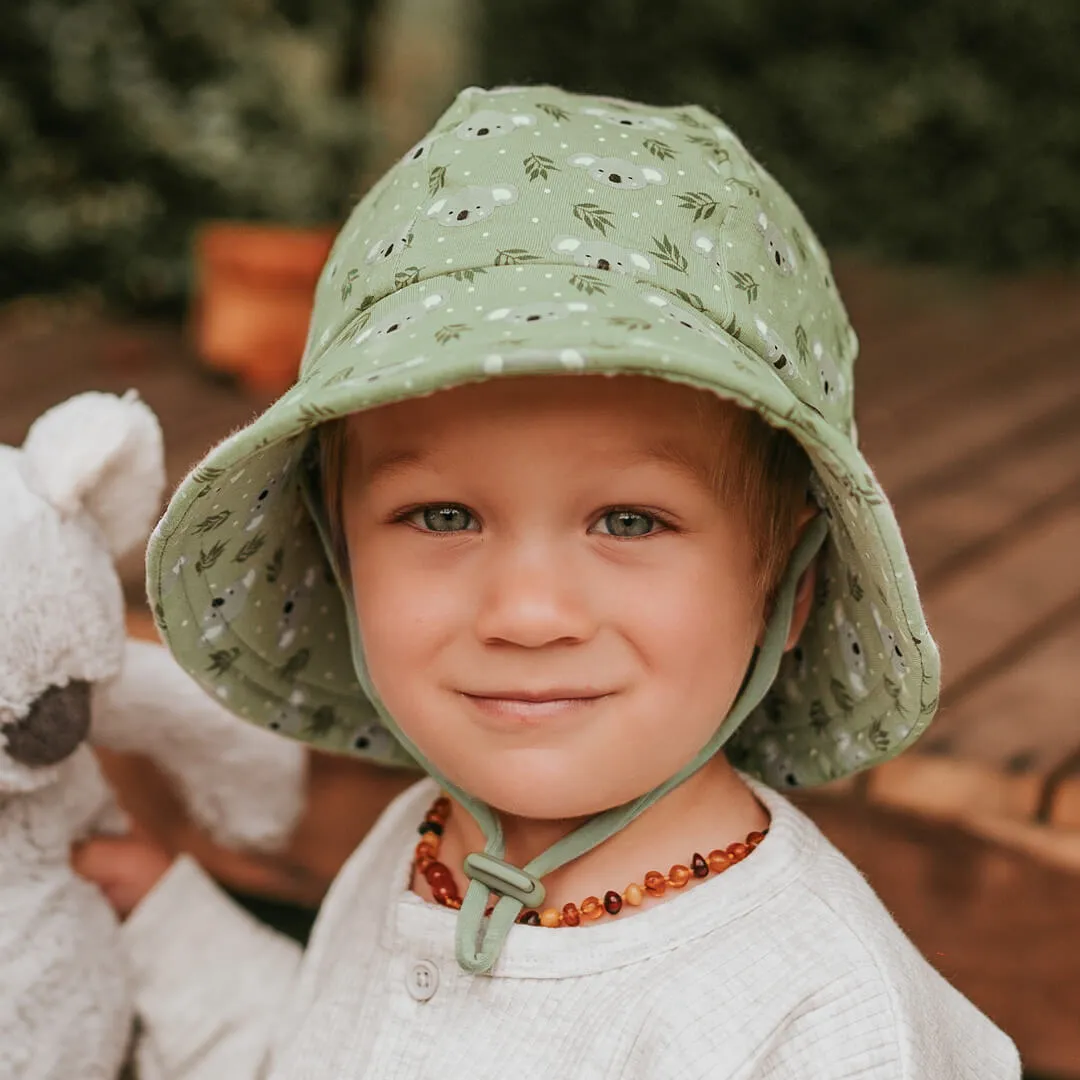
[804,599]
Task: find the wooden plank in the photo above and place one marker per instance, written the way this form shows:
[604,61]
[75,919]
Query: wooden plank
[1024,718]
[977,429]
[971,519]
[987,609]
[956,353]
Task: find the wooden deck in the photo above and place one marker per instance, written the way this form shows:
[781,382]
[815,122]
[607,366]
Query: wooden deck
[969,410]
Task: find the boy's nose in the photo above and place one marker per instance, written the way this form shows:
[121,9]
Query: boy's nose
[58,721]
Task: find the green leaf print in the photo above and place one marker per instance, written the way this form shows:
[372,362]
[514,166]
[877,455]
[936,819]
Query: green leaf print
[206,475]
[659,149]
[222,659]
[588,284]
[892,688]
[450,332]
[321,722]
[667,252]
[689,120]
[347,284]
[468,274]
[353,325]
[553,111]
[855,587]
[878,736]
[273,567]
[595,217]
[409,276]
[746,282]
[800,244]
[732,328]
[751,189]
[691,298]
[802,347]
[842,695]
[340,376]
[312,415]
[537,167]
[512,256]
[214,521]
[295,664]
[250,547]
[207,558]
[436,179]
[629,322]
[708,143]
[819,718]
[703,204]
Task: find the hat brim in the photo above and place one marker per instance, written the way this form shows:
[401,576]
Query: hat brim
[244,595]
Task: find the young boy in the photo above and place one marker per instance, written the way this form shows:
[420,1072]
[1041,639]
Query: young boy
[565,509]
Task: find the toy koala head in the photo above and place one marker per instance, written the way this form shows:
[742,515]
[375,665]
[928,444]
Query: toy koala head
[84,488]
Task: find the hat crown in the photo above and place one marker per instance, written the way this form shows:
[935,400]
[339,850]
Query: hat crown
[666,197]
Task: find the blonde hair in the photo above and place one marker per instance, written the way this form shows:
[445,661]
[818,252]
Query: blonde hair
[757,467]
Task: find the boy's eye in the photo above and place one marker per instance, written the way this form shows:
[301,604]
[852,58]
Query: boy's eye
[450,518]
[625,523]
[444,518]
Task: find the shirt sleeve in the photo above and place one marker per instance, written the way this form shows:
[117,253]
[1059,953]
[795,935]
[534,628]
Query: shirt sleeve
[209,980]
[942,1037]
[904,1022]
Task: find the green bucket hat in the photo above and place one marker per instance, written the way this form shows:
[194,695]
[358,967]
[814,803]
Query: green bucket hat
[537,231]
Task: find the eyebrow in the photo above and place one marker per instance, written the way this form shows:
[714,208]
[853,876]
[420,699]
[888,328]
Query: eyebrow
[390,462]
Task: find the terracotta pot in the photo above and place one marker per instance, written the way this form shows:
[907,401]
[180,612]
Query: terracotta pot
[254,289]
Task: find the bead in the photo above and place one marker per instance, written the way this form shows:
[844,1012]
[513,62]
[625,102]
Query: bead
[443,894]
[431,827]
[440,809]
[678,876]
[754,839]
[423,862]
[550,917]
[737,851]
[612,902]
[655,883]
[441,880]
[699,866]
[530,917]
[591,908]
[570,915]
[719,861]
[424,848]
[632,894]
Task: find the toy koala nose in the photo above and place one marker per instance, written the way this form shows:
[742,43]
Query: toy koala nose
[55,725]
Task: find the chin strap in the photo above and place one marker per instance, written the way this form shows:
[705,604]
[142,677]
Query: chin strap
[478,944]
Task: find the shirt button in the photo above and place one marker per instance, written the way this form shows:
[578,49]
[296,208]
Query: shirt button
[422,980]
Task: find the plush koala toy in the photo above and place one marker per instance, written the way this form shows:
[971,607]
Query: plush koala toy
[83,489]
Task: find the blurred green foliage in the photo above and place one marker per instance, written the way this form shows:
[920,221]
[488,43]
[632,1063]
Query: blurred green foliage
[939,130]
[124,123]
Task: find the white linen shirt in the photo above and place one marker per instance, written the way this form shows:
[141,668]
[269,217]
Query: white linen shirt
[785,967]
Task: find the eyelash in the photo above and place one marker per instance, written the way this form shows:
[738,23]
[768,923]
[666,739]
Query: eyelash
[665,523]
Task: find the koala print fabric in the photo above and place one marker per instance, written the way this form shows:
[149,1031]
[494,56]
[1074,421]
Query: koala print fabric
[540,231]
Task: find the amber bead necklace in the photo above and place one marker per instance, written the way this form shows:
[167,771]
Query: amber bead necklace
[445,891]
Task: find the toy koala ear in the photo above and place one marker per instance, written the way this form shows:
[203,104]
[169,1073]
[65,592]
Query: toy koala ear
[102,454]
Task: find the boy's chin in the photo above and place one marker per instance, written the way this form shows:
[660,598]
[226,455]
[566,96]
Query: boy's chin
[548,792]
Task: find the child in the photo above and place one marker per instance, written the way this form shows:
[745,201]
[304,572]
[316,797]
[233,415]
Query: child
[565,509]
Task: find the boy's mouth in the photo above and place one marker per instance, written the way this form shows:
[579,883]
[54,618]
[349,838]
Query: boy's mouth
[533,704]
[559,693]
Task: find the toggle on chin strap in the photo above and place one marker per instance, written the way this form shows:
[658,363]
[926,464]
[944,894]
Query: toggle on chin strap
[478,945]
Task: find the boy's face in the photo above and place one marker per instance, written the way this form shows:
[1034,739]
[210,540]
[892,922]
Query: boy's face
[519,538]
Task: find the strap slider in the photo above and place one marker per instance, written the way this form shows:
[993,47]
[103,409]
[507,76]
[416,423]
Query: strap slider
[503,878]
